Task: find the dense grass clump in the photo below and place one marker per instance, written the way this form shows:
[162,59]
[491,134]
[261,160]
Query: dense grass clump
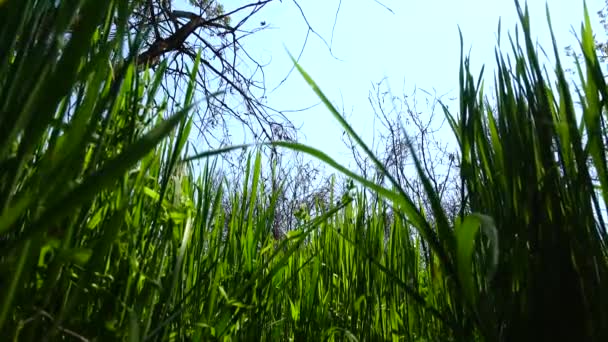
[111,230]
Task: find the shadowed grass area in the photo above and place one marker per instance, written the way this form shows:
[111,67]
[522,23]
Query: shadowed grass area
[111,230]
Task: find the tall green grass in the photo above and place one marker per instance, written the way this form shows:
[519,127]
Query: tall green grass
[526,258]
[111,229]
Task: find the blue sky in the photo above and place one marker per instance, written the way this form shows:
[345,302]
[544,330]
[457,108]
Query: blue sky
[414,46]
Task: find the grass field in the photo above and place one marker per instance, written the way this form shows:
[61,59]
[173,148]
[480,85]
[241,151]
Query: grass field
[111,228]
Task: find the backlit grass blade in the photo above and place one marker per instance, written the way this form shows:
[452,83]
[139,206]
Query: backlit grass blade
[405,201]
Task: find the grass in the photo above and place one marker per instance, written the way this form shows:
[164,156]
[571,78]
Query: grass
[111,229]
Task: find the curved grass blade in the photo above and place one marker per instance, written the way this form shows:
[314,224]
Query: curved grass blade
[405,201]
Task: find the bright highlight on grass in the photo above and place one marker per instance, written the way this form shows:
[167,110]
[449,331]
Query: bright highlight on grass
[108,233]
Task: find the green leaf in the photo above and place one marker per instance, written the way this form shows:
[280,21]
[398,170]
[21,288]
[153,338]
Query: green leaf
[79,256]
[466,235]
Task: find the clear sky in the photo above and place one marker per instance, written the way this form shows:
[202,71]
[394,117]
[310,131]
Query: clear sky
[415,45]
